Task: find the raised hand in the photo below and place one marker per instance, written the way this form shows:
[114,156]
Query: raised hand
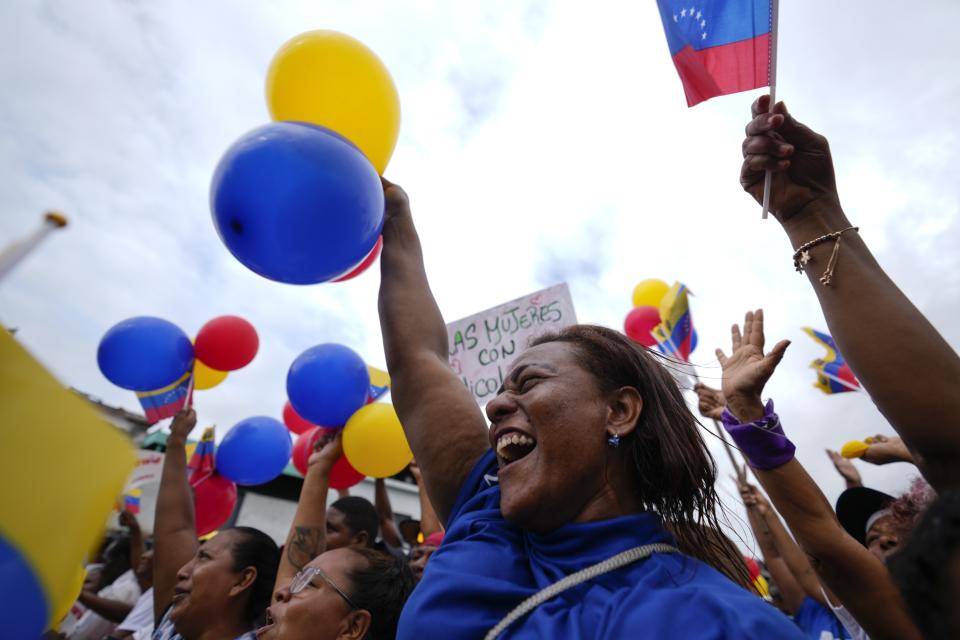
[752,498]
[747,370]
[710,401]
[183,423]
[415,471]
[803,176]
[327,451]
[846,469]
[395,200]
[886,449]
[127,519]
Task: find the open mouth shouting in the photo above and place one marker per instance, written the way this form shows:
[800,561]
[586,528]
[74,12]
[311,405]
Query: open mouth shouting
[513,445]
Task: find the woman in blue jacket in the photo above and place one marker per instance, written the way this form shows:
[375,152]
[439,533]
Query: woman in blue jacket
[586,510]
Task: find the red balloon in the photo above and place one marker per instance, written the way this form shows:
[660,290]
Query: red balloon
[226,343]
[639,322]
[214,499]
[364,264]
[294,421]
[342,475]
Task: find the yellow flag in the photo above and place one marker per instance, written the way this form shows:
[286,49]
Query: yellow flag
[61,468]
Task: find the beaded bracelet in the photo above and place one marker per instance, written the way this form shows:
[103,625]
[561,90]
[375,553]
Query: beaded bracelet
[802,256]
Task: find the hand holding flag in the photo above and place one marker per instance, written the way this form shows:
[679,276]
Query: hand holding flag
[803,177]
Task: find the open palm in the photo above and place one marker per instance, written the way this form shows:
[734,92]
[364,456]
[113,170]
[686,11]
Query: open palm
[747,369]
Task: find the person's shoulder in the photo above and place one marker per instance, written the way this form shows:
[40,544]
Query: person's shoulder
[480,491]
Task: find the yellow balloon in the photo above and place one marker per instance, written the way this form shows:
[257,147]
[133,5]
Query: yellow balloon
[68,598]
[331,79]
[649,293]
[854,449]
[206,378]
[374,443]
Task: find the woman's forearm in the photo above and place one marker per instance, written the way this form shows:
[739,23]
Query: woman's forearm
[308,531]
[174,529]
[443,424]
[850,571]
[411,321]
[429,522]
[909,370]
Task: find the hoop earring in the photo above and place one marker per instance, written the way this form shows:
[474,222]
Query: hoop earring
[614,440]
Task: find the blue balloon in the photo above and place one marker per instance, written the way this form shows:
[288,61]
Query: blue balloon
[254,451]
[327,384]
[144,353]
[694,339]
[296,202]
[23,605]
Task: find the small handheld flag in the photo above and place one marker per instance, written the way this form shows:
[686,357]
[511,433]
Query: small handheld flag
[166,402]
[833,373]
[202,463]
[379,383]
[131,501]
[674,335]
[719,47]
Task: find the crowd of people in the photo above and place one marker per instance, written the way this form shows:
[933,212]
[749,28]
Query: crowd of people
[588,507]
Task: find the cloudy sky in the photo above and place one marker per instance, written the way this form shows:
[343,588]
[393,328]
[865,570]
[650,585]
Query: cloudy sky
[542,141]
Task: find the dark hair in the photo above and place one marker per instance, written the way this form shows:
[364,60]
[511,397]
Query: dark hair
[254,548]
[925,568]
[381,587]
[675,472]
[359,515]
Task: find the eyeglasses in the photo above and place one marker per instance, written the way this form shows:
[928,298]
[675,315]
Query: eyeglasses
[306,576]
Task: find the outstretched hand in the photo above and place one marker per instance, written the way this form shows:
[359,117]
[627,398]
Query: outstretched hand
[752,498]
[710,401]
[803,175]
[127,519]
[747,370]
[886,449]
[845,468]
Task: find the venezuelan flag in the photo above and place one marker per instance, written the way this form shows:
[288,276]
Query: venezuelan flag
[202,463]
[131,500]
[674,334]
[833,373]
[379,383]
[166,402]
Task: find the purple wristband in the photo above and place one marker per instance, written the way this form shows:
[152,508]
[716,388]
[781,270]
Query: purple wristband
[763,441]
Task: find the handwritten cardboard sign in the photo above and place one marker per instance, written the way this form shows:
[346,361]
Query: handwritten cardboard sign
[483,346]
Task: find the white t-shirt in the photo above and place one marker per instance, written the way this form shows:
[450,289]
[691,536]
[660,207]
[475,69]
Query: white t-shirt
[93,626]
[141,616]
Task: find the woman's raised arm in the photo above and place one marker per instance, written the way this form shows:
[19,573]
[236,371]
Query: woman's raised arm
[174,527]
[444,425]
[909,370]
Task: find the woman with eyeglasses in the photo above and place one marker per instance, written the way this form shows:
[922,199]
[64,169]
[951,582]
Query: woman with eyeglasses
[347,593]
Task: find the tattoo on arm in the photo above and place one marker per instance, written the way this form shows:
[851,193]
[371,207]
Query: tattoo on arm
[305,546]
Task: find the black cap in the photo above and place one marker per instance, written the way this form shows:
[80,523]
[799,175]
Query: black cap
[856,505]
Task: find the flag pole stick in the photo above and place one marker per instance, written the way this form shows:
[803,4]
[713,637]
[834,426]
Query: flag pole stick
[722,435]
[17,251]
[768,177]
